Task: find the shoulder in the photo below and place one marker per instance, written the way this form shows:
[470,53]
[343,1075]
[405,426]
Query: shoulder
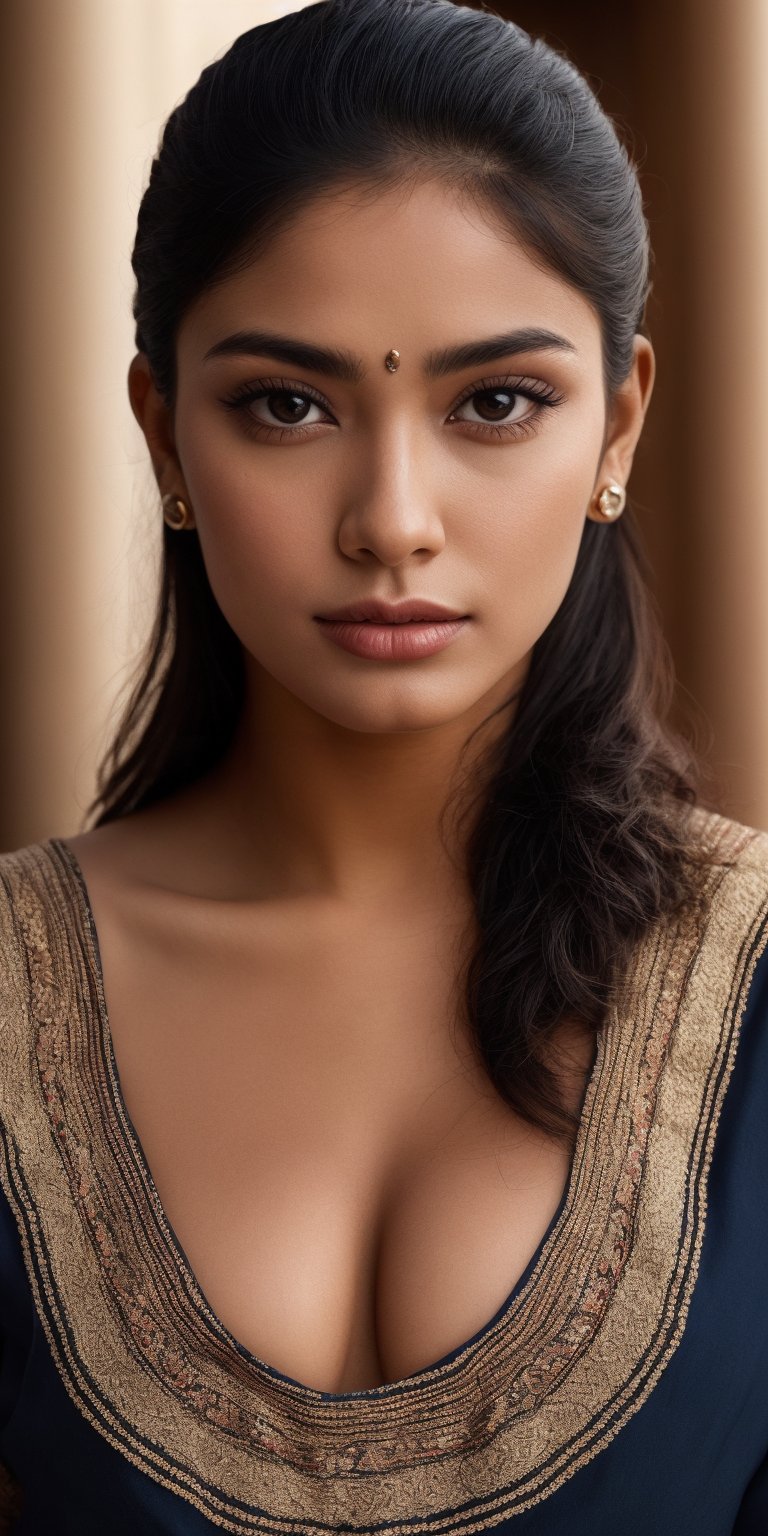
[735,859]
[724,836]
[693,973]
[25,868]
[36,931]
[27,886]
[714,958]
[728,931]
[34,878]
[17,922]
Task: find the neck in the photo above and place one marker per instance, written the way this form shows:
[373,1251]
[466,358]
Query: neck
[306,806]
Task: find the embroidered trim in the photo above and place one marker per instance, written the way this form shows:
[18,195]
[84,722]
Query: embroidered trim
[464,1444]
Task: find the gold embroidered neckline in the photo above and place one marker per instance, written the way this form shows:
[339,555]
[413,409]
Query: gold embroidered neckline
[122,1128]
[461,1445]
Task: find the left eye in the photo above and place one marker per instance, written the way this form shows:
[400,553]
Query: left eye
[495,405]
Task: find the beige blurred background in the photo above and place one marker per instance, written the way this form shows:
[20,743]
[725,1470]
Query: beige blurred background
[86,85]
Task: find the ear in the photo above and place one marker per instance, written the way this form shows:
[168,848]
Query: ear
[156,422]
[626,417]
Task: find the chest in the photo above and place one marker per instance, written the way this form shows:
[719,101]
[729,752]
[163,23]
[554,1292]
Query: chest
[352,1196]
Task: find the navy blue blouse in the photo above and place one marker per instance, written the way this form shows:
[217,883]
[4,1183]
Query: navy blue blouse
[622,1387]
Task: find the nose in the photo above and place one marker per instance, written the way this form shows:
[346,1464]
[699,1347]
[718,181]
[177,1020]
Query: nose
[392,513]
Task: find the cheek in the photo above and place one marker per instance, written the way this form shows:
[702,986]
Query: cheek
[531,543]
[259,553]
[262,538]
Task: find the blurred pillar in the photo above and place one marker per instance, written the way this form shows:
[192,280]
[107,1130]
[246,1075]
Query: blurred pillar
[71,70]
[686,83]
[86,86]
[722,406]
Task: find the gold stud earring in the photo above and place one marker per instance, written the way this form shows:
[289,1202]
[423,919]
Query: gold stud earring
[392,361]
[608,504]
[176,513]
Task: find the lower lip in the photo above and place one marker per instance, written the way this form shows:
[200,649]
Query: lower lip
[392,642]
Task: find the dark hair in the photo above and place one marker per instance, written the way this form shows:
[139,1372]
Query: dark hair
[579,843]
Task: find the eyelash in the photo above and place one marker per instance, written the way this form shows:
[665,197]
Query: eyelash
[532,389]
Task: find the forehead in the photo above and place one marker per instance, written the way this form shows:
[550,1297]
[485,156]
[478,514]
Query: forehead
[410,265]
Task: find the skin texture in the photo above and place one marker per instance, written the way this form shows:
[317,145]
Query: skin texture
[279,940]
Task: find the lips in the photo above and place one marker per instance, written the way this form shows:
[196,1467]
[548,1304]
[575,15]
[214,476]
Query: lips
[399,641]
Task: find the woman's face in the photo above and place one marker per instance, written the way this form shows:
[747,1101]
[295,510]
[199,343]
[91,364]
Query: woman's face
[465,483]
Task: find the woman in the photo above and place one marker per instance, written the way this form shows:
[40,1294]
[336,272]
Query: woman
[384,1069]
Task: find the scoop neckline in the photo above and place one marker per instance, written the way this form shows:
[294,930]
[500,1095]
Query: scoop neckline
[454,1360]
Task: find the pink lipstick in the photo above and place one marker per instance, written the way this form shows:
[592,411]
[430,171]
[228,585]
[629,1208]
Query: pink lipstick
[382,631]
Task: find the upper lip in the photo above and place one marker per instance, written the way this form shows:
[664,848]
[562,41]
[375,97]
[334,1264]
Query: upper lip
[373,609]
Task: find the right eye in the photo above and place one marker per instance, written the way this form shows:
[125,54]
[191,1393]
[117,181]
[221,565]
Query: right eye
[288,406]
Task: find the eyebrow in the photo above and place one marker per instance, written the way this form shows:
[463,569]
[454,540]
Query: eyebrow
[338,364]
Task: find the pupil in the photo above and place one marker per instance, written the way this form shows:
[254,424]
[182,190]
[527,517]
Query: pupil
[500,400]
[292,407]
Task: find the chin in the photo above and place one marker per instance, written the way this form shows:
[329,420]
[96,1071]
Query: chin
[424,708]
